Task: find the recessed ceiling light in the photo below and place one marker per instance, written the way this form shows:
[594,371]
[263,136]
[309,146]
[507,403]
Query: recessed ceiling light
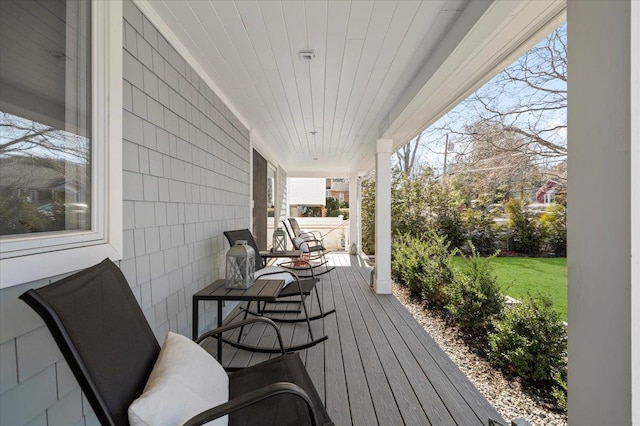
[306,55]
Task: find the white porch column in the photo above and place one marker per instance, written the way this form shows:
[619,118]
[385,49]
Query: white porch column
[604,212]
[382,284]
[354,219]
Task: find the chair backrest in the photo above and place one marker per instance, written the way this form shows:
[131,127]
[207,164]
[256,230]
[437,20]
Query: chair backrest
[302,242]
[245,234]
[103,335]
[294,226]
[292,235]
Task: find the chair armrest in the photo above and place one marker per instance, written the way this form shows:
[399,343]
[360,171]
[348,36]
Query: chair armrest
[304,265]
[295,277]
[292,263]
[220,330]
[251,398]
[310,236]
[314,244]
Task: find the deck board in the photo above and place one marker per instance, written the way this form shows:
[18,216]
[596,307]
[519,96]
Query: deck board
[380,391]
[379,366]
[361,406]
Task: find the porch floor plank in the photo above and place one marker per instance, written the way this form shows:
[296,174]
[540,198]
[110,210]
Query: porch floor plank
[379,366]
[383,400]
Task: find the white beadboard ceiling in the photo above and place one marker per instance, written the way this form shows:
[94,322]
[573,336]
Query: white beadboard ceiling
[373,61]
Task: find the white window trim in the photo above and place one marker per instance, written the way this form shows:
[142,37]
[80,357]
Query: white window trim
[106,239]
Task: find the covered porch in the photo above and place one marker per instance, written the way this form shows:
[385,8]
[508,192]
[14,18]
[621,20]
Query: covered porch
[379,366]
[188,94]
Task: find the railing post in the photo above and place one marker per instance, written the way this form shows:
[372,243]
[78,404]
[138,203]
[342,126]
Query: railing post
[354,219]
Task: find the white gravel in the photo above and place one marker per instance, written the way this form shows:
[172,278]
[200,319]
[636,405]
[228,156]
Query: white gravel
[505,394]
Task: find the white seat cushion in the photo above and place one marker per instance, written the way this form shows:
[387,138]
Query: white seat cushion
[185,381]
[278,274]
[306,236]
[301,244]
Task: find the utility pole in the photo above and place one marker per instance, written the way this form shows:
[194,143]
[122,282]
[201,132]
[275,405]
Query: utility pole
[444,169]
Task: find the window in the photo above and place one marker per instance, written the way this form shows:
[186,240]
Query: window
[45,117]
[60,166]
[549,197]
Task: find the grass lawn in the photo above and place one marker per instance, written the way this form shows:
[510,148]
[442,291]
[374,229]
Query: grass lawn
[519,275]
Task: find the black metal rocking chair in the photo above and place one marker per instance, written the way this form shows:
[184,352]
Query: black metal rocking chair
[111,350]
[314,250]
[307,285]
[308,236]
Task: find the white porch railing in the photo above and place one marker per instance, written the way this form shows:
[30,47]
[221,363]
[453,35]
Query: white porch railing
[335,230]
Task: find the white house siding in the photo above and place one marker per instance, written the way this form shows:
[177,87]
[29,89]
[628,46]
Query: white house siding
[186,180]
[307,191]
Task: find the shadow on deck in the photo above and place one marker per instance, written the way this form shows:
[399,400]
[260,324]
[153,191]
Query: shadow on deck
[379,366]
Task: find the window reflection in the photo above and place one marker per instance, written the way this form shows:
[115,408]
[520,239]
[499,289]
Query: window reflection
[44,178]
[45,116]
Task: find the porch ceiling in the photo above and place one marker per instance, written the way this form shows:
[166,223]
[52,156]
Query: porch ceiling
[381,68]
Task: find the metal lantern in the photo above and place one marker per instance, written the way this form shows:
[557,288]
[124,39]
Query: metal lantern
[279,241]
[241,266]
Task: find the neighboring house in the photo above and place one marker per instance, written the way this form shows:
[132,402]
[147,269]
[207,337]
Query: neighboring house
[549,190]
[306,196]
[35,181]
[39,180]
[338,188]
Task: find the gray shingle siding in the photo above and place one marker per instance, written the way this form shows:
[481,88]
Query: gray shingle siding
[186,180]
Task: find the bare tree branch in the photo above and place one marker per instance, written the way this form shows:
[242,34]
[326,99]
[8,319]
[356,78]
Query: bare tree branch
[25,137]
[514,122]
[408,155]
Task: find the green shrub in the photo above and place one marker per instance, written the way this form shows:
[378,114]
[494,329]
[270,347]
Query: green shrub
[368,213]
[418,204]
[554,222]
[480,229]
[410,211]
[527,236]
[335,208]
[422,264]
[18,215]
[474,296]
[407,261]
[447,220]
[438,274]
[530,340]
[559,389]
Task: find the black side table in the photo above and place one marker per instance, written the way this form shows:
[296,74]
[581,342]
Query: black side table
[261,291]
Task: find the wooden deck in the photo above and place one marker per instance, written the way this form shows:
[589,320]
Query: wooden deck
[378,366]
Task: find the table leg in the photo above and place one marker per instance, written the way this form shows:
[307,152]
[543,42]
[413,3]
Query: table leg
[194,320]
[220,337]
